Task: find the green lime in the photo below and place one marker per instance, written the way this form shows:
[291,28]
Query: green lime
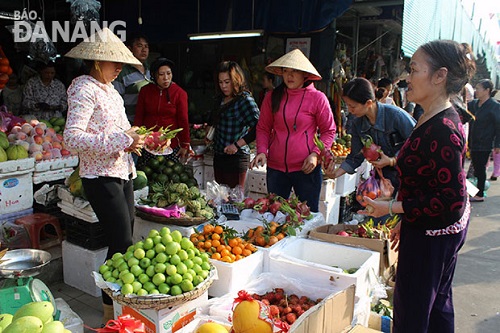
[128,278]
[186,285]
[176,278]
[175,290]
[143,278]
[149,286]
[197,280]
[205,266]
[127,288]
[142,292]
[175,259]
[164,288]
[137,286]
[144,263]
[164,231]
[177,236]
[158,278]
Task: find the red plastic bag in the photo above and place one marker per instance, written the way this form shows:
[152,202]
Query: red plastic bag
[369,188]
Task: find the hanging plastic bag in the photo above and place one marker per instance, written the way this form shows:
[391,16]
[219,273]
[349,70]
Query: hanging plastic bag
[386,187]
[369,188]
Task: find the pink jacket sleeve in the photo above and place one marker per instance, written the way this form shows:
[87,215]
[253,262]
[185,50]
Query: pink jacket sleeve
[264,126]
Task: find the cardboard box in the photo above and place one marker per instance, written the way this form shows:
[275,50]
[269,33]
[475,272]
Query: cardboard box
[378,322]
[323,264]
[345,184]
[167,320]
[388,257]
[16,191]
[78,265]
[233,276]
[330,209]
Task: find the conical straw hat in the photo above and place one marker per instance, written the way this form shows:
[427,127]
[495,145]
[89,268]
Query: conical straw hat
[294,59]
[104,45]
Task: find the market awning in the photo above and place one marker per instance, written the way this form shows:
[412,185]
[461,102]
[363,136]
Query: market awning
[169,21]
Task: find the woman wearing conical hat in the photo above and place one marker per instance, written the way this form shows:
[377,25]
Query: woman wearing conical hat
[98,129]
[289,118]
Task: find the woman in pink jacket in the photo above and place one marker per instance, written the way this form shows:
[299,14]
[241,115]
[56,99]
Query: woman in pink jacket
[289,118]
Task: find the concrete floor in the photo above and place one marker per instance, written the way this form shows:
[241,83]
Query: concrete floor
[476,284]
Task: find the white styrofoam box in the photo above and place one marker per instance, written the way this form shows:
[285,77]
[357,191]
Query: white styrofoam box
[327,189]
[56,163]
[330,209]
[26,164]
[142,228]
[208,159]
[233,276]
[323,263]
[51,175]
[167,320]
[345,184]
[256,181]
[68,317]
[11,217]
[78,265]
[198,167]
[80,213]
[16,191]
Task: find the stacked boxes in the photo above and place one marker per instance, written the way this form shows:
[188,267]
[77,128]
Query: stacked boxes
[16,185]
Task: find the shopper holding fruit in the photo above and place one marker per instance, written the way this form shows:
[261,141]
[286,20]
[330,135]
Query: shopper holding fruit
[98,129]
[432,197]
[378,131]
[291,115]
[234,117]
[163,103]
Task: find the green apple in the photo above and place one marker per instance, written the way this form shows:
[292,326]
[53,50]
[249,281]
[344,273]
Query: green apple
[164,288]
[197,260]
[115,273]
[182,254]
[191,271]
[107,275]
[137,286]
[139,253]
[123,266]
[176,278]
[116,256]
[186,243]
[191,253]
[122,273]
[111,279]
[142,292]
[127,289]
[143,278]
[175,290]
[128,255]
[164,231]
[176,235]
[203,274]
[171,270]
[157,239]
[166,239]
[205,256]
[172,248]
[132,261]
[158,278]
[160,268]
[150,271]
[154,292]
[175,259]
[103,269]
[186,285]
[187,276]
[197,268]
[161,257]
[131,248]
[145,262]
[181,268]
[189,263]
[128,278]
[205,266]
[148,244]
[136,270]
[151,253]
[153,232]
[138,245]
[197,280]
[149,286]
[118,262]
[159,248]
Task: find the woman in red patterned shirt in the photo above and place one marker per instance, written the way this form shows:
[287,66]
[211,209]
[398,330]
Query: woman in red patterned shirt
[432,197]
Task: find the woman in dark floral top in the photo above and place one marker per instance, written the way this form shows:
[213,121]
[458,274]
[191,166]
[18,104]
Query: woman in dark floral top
[432,197]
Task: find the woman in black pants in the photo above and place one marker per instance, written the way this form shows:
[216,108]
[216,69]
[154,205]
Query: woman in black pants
[97,127]
[484,133]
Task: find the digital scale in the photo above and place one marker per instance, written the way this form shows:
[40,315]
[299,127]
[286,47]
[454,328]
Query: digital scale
[17,285]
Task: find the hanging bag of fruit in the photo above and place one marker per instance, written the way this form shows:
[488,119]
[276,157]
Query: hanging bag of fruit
[386,187]
[369,188]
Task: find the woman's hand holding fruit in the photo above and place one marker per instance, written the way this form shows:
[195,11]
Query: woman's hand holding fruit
[138,142]
[384,161]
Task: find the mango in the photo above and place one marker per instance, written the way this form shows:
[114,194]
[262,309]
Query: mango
[26,324]
[53,327]
[41,310]
[5,320]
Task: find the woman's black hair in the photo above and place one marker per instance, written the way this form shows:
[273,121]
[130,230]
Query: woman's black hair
[379,93]
[155,66]
[488,84]
[384,83]
[359,90]
[456,58]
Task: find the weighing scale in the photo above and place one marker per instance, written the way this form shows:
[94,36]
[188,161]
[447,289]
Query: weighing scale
[17,285]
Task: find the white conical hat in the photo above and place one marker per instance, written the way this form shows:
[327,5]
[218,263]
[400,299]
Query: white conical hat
[103,45]
[294,59]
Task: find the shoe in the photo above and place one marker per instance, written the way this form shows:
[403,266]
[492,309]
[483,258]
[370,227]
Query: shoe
[476,199]
[493,178]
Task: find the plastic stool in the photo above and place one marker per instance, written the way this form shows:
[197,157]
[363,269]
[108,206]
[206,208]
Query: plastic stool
[35,226]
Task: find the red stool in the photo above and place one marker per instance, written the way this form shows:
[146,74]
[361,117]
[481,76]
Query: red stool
[35,226]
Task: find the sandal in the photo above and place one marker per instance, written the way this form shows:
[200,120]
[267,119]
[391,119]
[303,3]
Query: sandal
[476,199]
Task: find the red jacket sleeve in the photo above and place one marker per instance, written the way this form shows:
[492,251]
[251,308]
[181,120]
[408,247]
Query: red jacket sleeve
[182,115]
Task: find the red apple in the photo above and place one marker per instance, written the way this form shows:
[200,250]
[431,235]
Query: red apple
[65,152]
[37,155]
[57,145]
[46,155]
[39,129]
[38,139]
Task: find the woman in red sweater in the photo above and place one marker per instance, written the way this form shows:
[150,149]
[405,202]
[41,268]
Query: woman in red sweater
[163,103]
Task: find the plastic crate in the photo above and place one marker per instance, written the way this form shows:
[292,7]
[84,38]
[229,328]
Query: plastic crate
[90,236]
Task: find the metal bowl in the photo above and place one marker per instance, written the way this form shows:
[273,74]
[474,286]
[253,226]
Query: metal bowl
[23,262]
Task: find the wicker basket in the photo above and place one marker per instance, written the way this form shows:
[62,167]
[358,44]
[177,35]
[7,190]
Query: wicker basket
[156,302]
[180,221]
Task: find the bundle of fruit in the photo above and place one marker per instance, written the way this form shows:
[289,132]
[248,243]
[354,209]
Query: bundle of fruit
[158,142]
[39,140]
[162,170]
[269,233]
[163,263]
[295,210]
[222,243]
[162,195]
[370,230]
[286,308]
[33,317]
[198,133]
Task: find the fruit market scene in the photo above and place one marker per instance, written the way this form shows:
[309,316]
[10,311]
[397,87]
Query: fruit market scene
[249,166]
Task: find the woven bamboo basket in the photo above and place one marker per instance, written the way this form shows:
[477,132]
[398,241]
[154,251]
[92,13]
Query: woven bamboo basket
[180,221]
[157,302]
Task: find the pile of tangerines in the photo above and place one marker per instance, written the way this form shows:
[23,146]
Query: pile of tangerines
[5,69]
[222,243]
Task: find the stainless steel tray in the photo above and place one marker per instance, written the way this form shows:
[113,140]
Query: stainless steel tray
[23,262]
